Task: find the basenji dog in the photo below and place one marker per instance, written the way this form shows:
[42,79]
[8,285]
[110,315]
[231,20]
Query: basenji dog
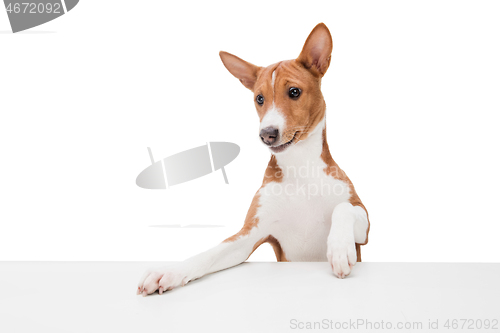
[306,208]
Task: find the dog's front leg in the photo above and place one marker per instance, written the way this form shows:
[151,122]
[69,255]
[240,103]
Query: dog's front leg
[349,226]
[230,253]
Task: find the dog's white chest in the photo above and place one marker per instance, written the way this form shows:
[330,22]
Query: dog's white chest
[298,211]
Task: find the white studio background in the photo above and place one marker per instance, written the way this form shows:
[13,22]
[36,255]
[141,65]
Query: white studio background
[413,104]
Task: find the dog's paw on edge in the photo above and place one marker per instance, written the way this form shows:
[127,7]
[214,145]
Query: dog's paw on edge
[163,279]
[341,255]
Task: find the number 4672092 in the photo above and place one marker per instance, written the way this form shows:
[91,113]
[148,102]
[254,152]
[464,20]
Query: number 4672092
[33,8]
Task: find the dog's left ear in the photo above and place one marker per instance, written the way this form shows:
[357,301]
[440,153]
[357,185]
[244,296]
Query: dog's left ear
[317,50]
[241,69]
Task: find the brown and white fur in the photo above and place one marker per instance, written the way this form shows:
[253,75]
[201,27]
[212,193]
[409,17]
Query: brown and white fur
[306,208]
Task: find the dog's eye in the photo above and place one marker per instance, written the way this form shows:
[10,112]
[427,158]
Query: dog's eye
[294,92]
[259,99]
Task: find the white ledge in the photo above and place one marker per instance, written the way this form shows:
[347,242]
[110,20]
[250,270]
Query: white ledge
[252,297]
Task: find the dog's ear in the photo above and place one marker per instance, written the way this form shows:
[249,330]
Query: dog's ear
[242,70]
[317,50]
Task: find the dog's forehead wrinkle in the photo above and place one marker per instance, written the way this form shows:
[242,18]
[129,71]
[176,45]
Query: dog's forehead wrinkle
[264,80]
[285,75]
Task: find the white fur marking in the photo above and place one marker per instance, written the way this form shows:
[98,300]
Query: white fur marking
[298,210]
[218,258]
[341,245]
[273,118]
[272,82]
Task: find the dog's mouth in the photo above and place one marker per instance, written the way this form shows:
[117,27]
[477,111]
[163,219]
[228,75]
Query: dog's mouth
[284,146]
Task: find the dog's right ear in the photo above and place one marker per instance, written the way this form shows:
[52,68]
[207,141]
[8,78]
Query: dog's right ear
[242,70]
[317,51]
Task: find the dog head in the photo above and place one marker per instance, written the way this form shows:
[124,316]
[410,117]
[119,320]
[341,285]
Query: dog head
[287,95]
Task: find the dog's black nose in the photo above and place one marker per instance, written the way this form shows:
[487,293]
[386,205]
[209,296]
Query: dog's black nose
[269,135]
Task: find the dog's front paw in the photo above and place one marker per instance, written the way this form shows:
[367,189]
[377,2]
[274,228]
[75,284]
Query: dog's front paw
[341,254]
[164,279]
